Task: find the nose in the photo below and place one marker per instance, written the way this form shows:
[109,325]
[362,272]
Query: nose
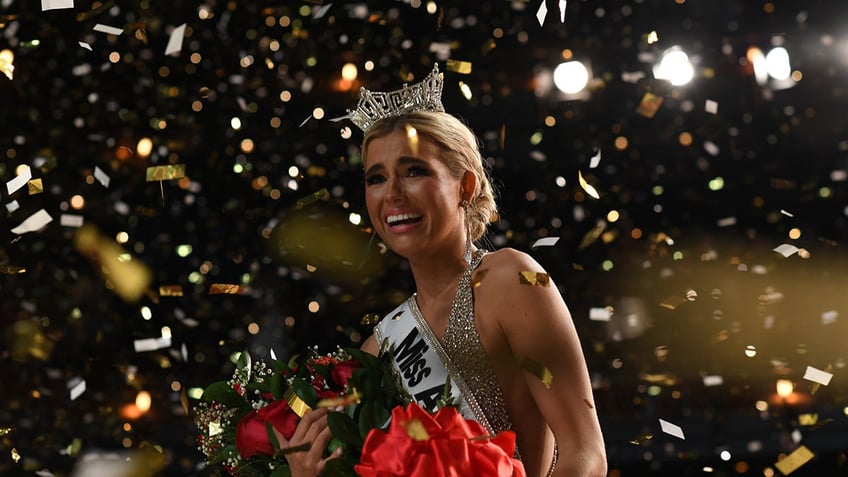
[394,190]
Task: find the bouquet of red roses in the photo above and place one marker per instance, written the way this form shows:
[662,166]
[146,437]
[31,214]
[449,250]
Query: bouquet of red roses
[236,418]
[382,433]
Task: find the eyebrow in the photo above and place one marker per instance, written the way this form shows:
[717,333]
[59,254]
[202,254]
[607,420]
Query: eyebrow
[402,160]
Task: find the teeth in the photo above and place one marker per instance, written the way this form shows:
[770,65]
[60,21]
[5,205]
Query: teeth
[392,219]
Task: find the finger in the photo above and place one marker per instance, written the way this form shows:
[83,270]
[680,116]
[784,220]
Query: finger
[302,430]
[319,444]
[323,463]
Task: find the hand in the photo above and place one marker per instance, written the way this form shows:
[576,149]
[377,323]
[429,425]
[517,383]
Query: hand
[314,430]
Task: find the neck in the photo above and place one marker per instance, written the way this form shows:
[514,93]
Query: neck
[437,275]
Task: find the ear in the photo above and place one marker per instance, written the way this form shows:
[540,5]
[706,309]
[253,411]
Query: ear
[468,184]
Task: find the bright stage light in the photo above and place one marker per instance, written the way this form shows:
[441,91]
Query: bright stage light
[571,77]
[675,67]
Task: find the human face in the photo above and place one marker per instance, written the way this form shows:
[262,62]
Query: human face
[412,198]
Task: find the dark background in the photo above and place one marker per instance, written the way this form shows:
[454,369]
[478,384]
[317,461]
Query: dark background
[251,219]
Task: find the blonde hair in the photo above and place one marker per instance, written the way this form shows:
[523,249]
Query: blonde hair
[460,153]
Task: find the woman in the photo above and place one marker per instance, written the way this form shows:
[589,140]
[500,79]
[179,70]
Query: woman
[510,348]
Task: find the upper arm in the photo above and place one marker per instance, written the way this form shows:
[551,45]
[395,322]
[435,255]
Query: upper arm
[370,345]
[541,335]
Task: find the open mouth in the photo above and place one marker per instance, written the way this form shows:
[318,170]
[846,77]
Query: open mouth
[403,219]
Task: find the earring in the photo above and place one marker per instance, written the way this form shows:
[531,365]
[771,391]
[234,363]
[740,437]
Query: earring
[465,205]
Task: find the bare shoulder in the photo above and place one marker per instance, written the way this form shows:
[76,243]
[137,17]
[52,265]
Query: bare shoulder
[504,265]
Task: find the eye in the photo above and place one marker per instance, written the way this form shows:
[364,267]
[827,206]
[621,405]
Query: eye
[415,171]
[374,179]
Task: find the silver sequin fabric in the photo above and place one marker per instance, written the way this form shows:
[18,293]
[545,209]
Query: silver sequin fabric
[462,344]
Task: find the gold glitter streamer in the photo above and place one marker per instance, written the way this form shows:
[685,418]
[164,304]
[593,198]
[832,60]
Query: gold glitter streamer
[673,302]
[538,279]
[6,430]
[353,398]
[793,461]
[225,289]
[165,173]
[322,194]
[416,430]
[640,439]
[539,370]
[11,270]
[170,290]
[296,403]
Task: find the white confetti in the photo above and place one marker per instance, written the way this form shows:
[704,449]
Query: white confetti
[13,206]
[56,4]
[787,213]
[711,106]
[175,41]
[829,317]
[671,429]
[184,352]
[545,242]
[441,49]
[600,314]
[77,388]
[70,220]
[586,186]
[726,222]
[101,176]
[33,223]
[562,4]
[19,181]
[595,160]
[107,29]
[711,148]
[713,380]
[817,376]
[632,77]
[151,344]
[542,13]
[786,249]
[85,45]
[321,11]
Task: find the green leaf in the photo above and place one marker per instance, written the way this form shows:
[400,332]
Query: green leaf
[366,419]
[272,437]
[367,360]
[305,391]
[223,393]
[338,468]
[281,471]
[344,429]
[278,385]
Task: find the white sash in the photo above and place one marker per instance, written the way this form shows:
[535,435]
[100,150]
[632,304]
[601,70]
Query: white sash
[419,360]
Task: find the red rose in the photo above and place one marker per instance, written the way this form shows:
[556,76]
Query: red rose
[252,436]
[281,416]
[343,371]
[419,444]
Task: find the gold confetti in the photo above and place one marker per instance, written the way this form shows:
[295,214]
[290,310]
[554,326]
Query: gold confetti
[35,186]
[296,403]
[369,319]
[15,456]
[11,269]
[128,278]
[461,67]
[539,279]
[226,289]
[588,404]
[165,173]
[641,439]
[478,277]
[322,194]
[170,290]
[353,398]
[592,235]
[5,430]
[539,370]
[808,419]
[6,66]
[416,430]
[185,402]
[793,461]
[586,186]
[649,105]
[412,137]
[672,302]
[652,37]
